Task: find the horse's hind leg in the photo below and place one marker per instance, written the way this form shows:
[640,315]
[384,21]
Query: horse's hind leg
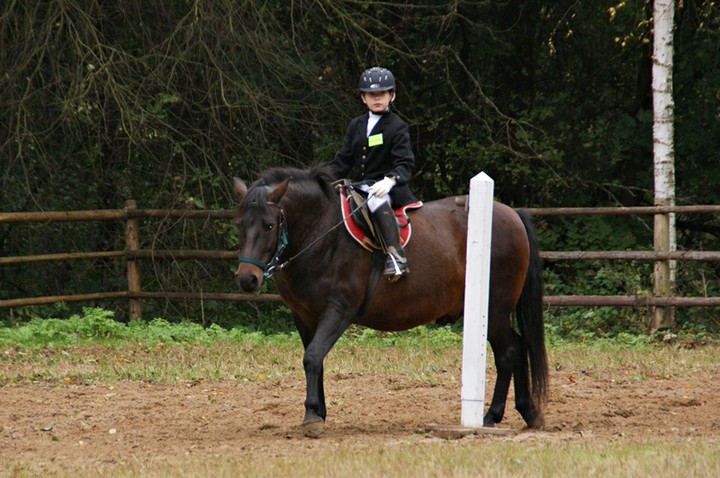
[505,352]
[512,363]
[523,399]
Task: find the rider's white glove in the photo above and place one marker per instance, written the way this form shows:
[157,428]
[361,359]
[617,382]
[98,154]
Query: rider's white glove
[381,188]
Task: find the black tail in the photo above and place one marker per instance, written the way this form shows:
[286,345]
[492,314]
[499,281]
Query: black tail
[529,313]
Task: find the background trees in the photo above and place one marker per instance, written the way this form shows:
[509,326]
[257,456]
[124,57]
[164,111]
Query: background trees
[163,102]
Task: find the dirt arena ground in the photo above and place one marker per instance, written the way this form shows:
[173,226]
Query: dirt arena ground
[46,428]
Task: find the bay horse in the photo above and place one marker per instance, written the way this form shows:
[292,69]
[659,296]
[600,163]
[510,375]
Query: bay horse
[292,215]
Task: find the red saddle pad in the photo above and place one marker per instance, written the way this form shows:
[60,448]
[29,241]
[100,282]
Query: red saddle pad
[357,232]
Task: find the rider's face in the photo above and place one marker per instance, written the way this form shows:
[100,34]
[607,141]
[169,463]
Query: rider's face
[377,101]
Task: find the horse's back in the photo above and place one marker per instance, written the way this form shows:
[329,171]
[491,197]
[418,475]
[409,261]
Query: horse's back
[439,222]
[436,253]
[445,221]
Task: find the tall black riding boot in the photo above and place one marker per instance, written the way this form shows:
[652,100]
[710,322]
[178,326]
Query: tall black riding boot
[396,265]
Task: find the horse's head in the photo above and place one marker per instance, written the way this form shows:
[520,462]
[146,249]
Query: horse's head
[261,231]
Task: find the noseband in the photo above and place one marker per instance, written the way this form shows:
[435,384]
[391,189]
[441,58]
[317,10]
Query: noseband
[272,265]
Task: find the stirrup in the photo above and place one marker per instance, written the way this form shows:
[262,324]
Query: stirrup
[395,269]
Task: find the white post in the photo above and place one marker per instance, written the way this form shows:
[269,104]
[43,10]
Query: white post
[477,286]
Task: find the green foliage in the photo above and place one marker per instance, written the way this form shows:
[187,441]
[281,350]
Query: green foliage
[587,324]
[97,325]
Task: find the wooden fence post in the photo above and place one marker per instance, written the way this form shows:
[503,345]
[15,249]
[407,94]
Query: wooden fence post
[663,317]
[133,272]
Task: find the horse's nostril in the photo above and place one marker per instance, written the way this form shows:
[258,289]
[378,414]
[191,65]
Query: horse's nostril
[247,282]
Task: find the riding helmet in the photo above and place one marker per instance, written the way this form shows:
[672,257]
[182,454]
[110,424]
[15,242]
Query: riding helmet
[377,79]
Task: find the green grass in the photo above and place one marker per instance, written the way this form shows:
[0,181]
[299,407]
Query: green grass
[465,458]
[97,326]
[93,347]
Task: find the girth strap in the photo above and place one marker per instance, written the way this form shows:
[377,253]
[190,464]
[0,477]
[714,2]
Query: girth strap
[377,264]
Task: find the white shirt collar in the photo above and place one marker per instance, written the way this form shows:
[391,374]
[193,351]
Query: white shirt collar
[372,121]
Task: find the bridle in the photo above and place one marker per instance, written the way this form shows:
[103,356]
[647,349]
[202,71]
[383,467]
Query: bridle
[272,265]
[269,268]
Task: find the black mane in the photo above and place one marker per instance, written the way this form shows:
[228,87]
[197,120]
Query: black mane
[306,180]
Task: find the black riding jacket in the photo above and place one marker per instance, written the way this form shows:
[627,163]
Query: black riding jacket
[385,152]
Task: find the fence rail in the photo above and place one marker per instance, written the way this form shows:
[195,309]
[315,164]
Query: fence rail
[123,294]
[132,254]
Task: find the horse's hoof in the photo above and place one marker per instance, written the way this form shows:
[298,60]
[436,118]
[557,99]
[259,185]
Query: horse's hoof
[537,423]
[313,429]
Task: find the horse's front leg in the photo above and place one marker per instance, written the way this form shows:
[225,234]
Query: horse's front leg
[331,326]
[307,334]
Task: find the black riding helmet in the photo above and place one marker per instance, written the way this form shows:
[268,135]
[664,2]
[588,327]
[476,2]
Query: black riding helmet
[377,79]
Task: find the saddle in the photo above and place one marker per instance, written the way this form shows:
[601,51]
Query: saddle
[359,224]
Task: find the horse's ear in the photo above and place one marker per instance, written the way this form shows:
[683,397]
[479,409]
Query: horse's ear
[276,193]
[240,187]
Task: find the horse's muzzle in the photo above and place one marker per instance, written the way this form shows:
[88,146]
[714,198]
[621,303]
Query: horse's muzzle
[249,277]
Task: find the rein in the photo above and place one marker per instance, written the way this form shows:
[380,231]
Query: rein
[269,268]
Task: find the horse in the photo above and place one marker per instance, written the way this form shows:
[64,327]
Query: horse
[287,225]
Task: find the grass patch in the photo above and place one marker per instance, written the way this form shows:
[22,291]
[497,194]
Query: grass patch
[465,458]
[93,347]
[98,326]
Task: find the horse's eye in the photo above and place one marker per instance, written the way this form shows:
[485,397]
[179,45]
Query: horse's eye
[269,227]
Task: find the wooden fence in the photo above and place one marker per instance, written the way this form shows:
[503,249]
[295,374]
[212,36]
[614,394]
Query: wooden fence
[655,256]
[132,254]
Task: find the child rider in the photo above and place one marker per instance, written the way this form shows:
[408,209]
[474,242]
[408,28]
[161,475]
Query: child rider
[377,150]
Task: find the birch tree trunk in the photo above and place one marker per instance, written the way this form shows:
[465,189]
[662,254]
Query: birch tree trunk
[663,155]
